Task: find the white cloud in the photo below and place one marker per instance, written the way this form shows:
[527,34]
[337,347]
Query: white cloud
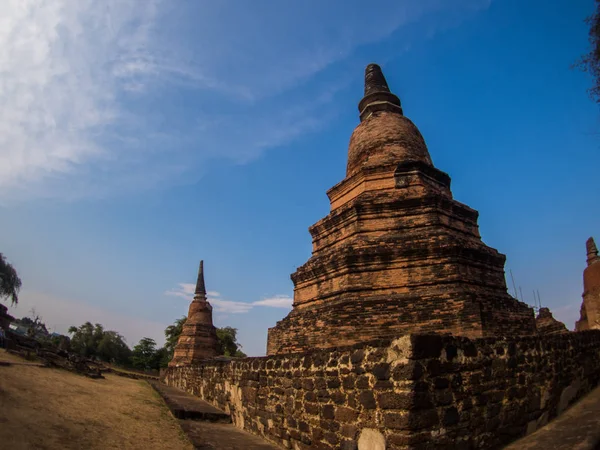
[227,306]
[186,291]
[279,301]
[91,92]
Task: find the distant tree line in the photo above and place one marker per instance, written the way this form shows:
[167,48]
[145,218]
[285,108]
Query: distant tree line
[94,342]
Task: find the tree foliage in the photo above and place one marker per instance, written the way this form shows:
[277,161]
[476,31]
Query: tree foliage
[10,283]
[145,355]
[591,61]
[172,333]
[228,344]
[112,348]
[92,341]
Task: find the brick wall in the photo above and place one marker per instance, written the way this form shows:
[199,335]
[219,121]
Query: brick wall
[416,391]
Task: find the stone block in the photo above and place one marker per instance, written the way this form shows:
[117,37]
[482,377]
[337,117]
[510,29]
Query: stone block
[371,439]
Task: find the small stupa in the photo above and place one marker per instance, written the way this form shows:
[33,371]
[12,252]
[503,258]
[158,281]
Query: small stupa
[198,339]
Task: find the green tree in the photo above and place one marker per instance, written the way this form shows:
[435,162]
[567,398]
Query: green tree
[112,348]
[172,333]
[10,283]
[162,357]
[228,344]
[93,341]
[61,342]
[85,339]
[144,355]
[591,61]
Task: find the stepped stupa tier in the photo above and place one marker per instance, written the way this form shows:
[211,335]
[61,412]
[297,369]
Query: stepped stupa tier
[198,339]
[396,254]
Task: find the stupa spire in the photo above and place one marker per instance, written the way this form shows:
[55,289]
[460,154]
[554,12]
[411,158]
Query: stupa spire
[592,251]
[377,94]
[200,287]
[374,80]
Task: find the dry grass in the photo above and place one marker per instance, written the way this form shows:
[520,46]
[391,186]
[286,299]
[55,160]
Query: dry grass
[43,408]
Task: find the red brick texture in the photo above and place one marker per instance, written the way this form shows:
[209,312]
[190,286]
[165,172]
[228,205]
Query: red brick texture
[396,254]
[198,339]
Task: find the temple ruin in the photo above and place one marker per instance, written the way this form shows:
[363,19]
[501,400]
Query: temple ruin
[590,307]
[396,254]
[198,339]
[547,324]
[402,334]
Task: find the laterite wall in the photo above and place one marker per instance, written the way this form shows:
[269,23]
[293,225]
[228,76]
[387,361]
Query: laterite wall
[416,391]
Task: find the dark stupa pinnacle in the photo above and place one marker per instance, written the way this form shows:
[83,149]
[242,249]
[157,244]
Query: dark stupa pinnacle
[377,94]
[374,80]
[592,251]
[200,288]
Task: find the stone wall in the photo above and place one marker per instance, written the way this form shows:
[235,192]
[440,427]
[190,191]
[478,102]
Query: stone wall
[413,392]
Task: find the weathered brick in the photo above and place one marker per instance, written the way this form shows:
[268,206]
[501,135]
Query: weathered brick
[348,444]
[311,408]
[363,382]
[451,417]
[339,398]
[412,370]
[343,414]
[367,400]
[395,420]
[328,412]
[349,431]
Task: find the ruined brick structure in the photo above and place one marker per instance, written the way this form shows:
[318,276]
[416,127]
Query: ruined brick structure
[198,339]
[416,392]
[547,324]
[396,254]
[590,308]
[402,332]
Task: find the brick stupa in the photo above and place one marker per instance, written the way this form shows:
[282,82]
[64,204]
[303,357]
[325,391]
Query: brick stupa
[547,324]
[396,254]
[198,339]
[590,308]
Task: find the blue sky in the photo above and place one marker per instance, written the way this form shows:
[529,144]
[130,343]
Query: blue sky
[136,141]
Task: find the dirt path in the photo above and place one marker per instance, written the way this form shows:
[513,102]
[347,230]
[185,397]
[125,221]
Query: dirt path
[43,408]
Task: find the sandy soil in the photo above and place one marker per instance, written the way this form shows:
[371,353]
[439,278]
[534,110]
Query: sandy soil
[43,408]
